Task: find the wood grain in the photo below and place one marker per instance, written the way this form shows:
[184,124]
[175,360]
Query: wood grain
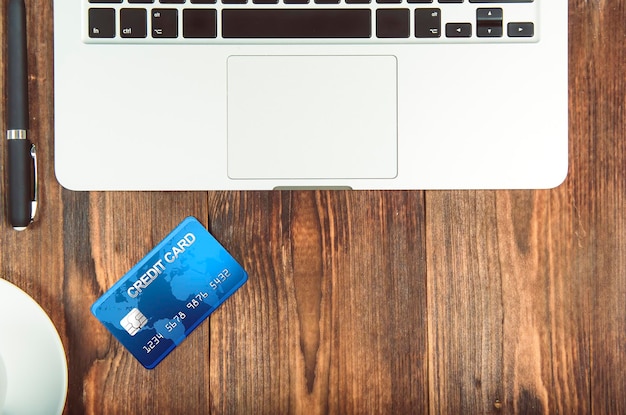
[509,330]
[335,308]
[528,287]
[359,302]
[598,186]
[116,230]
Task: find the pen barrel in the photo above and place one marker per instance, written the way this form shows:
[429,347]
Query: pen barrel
[20,183]
[17,82]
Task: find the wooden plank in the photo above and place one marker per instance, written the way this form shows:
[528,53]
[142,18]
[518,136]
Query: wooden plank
[333,318]
[465,303]
[509,329]
[598,114]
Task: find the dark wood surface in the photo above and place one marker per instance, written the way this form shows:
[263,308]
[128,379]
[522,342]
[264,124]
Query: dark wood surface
[360,302]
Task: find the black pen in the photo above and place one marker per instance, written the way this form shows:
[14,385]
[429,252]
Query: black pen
[21,163]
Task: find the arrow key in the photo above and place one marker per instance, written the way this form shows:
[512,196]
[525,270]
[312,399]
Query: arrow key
[493,14]
[488,31]
[521,29]
[458,30]
[489,22]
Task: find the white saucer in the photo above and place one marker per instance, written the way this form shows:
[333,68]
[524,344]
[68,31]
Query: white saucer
[33,355]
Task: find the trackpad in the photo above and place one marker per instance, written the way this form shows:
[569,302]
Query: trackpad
[312,117]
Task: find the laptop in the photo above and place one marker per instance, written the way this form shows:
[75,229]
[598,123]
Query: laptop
[294,94]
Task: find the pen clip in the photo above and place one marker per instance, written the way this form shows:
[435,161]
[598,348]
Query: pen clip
[35,184]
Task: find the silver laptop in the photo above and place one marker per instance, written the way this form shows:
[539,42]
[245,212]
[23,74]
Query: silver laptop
[266,94]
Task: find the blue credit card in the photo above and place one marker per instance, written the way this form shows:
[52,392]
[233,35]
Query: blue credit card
[163,298]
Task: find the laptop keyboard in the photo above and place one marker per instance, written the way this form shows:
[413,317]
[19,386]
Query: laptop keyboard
[310,21]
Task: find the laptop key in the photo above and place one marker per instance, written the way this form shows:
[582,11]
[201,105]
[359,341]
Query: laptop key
[489,22]
[133,23]
[392,23]
[458,30]
[199,23]
[427,23]
[164,23]
[296,23]
[521,29]
[101,23]
[489,15]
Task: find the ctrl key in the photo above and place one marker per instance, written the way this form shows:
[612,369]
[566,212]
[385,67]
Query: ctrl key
[101,23]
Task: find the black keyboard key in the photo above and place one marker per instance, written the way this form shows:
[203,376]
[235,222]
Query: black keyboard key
[164,23]
[265,1]
[105,1]
[427,23]
[296,23]
[133,23]
[296,1]
[172,1]
[420,1]
[489,14]
[203,1]
[199,23]
[450,1]
[392,23]
[521,29]
[488,31]
[326,1]
[358,1]
[141,1]
[458,30]
[489,22]
[101,23]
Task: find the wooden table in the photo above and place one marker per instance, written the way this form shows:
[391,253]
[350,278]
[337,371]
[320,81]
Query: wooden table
[360,302]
